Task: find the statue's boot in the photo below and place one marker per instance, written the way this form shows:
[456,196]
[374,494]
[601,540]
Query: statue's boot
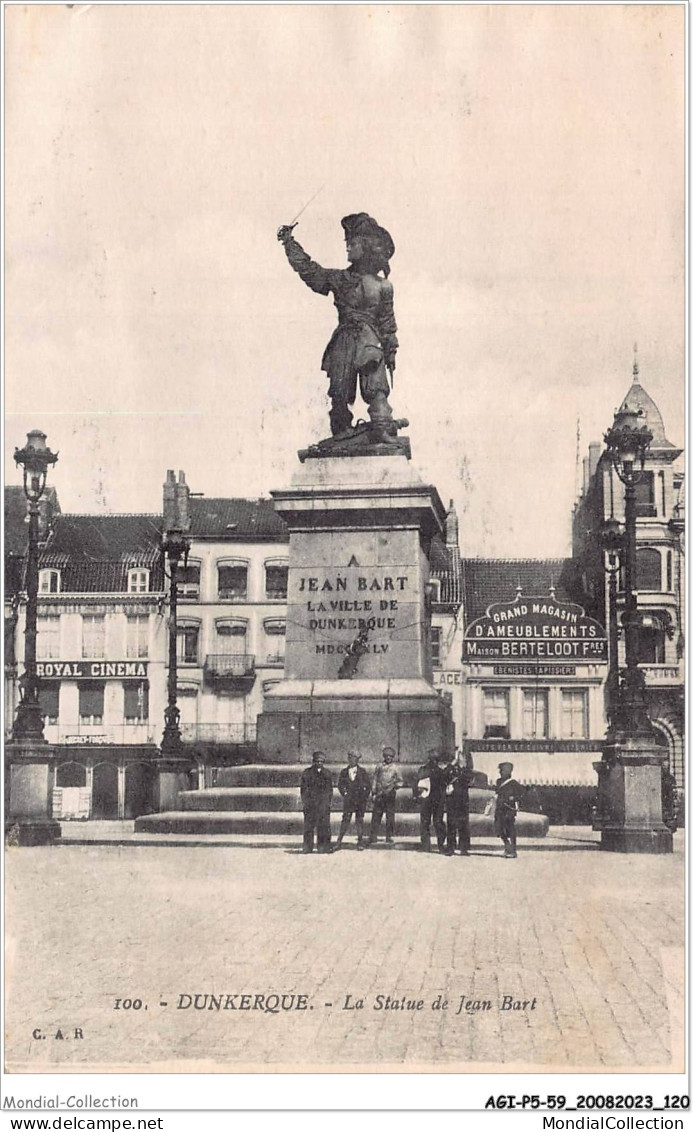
[383,429]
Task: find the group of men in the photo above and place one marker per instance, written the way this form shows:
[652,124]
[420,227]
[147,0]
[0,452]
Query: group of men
[441,790]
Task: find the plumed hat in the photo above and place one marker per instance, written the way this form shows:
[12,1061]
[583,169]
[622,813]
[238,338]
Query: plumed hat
[361,224]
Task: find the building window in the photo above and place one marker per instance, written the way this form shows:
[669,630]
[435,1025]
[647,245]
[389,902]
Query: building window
[137,636]
[93,636]
[496,713]
[231,638]
[436,633]
[188,637]
[48,640]
[136,701]
[91,697]
[276,580]
[188,578]
[49,581]
[648,570]
[651,639]
[645,506]
[574,713]
[138,581]
[535,713]
[232,579]
[669,572]
[49,700]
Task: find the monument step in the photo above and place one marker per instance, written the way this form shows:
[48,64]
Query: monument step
[289,774]
[291,824]
[287,798]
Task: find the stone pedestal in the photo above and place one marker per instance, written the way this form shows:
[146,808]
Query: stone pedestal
[171,779]
[629,809]
[357,667]
[29,808]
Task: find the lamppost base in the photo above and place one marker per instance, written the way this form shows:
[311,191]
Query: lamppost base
[32,831]
[28,724]
[629,805]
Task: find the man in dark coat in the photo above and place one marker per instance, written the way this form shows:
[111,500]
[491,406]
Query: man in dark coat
[354,785]
[316,798]
[460,778]
[429,792]
[508,794]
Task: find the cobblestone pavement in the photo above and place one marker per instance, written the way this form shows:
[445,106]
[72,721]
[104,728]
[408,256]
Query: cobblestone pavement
[591,943]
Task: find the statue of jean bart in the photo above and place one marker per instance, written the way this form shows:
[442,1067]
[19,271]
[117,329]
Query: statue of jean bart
[364,345]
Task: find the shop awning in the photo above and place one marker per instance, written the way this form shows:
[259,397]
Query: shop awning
[542,768]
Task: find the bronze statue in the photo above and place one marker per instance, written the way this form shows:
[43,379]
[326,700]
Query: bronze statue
[364,345]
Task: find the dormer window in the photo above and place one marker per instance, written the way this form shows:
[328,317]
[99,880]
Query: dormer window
[49,581]
[138,581]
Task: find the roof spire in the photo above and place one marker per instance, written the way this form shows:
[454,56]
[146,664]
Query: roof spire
[636,371]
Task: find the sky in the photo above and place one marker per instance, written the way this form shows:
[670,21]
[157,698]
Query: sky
[528,161]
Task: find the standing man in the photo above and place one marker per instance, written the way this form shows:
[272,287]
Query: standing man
[460,778]
[387,780]
[508,793]
[429,792]
[354,785]
[316,799]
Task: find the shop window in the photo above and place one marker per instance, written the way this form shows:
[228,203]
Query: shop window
[648,570]
[574,713]
[651,639]
[91,697]
[276,580]
[645,506]
[188,579]
[48,638]
[496,713]
[136,701]
[436,633]
[138,581]
[49,701]
[187,639]
[93,636]
[535,713]
[49,581]
[137,636]
[71,775]
[232,579]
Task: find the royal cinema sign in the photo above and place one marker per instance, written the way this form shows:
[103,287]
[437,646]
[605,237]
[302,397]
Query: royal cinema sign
[539,629]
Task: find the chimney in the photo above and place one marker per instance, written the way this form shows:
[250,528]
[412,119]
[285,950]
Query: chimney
[169,513]
[452,527]
[183,503]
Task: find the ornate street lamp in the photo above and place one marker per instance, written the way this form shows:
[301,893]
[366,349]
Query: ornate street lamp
[34,459]
[612,546]
[627,442]
[176,546]
[629,803]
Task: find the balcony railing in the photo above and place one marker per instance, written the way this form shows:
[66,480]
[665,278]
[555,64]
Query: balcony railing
[217,733]
[234,671]
[657,674]
[274,660]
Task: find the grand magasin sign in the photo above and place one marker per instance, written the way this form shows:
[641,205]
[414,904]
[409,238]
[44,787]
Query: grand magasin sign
[539,629]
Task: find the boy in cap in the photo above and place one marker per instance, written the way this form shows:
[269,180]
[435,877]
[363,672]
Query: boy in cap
[364,344]
[460,778]
[508,793]
[354,785]
[387,780]
[429,792]
[316,799]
